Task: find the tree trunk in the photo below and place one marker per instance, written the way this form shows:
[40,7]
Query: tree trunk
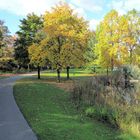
[68,76]
[28,67]
[38,69]
[58,75]
[126,79]
[94,69]
[112,64]
[131,55]
[107,71]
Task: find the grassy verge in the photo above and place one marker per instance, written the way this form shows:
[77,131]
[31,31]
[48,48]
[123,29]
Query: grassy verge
[52,116]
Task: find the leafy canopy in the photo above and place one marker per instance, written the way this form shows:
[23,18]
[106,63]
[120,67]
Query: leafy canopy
[67,35]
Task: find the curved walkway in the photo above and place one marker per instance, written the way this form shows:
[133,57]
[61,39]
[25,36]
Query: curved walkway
[13,125]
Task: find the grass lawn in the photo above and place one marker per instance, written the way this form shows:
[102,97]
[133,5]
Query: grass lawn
[52,116]
[73,73]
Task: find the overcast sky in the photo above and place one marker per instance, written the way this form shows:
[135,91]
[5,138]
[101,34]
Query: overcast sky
[11,11]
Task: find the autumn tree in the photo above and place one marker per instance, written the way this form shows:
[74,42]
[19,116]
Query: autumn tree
[6,41]
[110,35]
[26,37]
[133,39]
[67,36]
[4,35]
[37,52]
[7,62]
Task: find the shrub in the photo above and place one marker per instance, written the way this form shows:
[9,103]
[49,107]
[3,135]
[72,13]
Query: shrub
[21,70]
[7,64]
[90,112]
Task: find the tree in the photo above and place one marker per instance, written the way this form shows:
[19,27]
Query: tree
[90,55]
[37,53]
[3,36]
[110,35]
[67,36]
[133,39]
[6,42]
[26,37]
[7,62]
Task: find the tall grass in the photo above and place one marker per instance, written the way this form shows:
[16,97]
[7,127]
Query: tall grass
[113,99]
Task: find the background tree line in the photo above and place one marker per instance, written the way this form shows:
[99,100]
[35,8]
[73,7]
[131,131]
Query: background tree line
[61,39]
[7,62]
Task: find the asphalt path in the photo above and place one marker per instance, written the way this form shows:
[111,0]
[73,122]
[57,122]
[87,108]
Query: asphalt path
[13,125]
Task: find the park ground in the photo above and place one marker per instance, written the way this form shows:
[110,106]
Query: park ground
[47,107]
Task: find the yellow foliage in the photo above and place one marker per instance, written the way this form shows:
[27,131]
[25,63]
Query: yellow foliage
[37,55]
[67,36]
[112,34]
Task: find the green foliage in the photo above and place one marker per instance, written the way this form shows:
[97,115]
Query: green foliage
[26,37]
[102,113]
[90,112]
[90,55]
[20,71]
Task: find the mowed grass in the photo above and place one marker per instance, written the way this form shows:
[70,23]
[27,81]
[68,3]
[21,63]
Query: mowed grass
[52,116]
[73,73]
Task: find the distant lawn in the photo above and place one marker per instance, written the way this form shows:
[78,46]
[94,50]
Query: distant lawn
[52,116]
[74,73]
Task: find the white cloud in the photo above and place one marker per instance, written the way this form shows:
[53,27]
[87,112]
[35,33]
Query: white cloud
[23,7]
[81,7]
[81,12]
[89,5]
[93,24]
[78,10]
[122,6]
